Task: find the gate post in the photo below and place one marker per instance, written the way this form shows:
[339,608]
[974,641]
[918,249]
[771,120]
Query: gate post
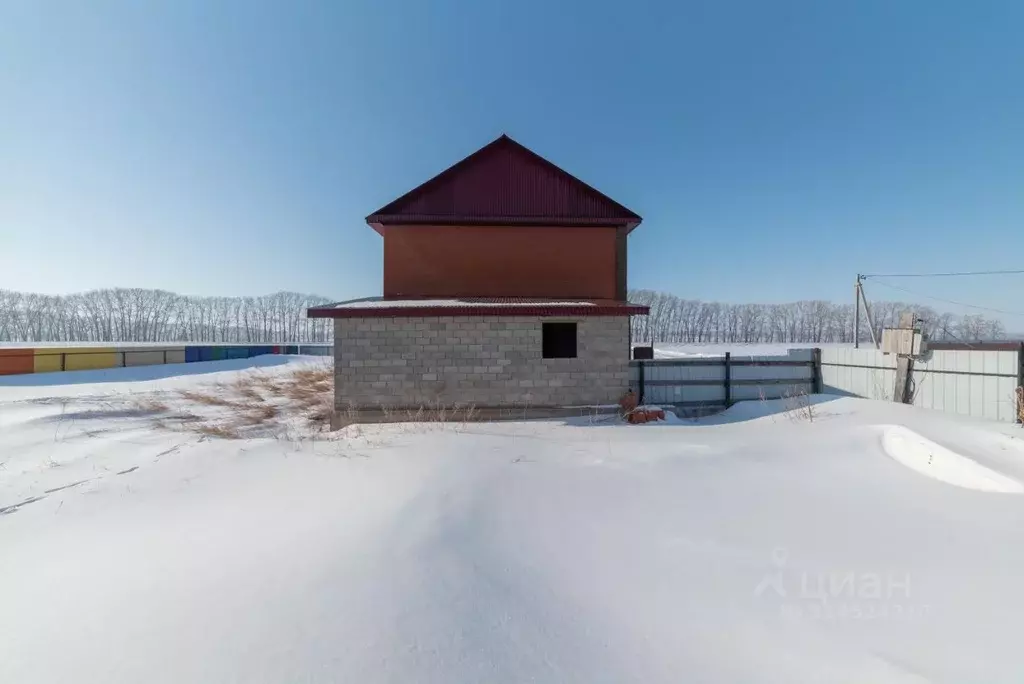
[1019,392]
[728,379]
[816,382]
[640,383]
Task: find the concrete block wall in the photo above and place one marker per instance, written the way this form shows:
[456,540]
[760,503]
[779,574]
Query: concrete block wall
[483,361]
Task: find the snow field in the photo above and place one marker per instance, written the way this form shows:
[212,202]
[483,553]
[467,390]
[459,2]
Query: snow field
[751,546]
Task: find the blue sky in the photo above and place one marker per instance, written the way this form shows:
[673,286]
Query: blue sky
[774,149]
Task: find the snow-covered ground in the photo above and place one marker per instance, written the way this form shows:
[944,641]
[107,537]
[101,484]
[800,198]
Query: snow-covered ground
[673,350]
[853,541]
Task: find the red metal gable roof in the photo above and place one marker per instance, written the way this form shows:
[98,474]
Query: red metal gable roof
[505,183]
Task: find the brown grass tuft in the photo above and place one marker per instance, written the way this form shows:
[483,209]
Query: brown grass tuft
[152,406]
[248,391]
[207,399]
[257,414]
[221,431]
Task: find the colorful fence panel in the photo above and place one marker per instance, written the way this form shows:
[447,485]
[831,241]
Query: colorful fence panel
[52,359]
[315,350]
[152,357]
[17,361]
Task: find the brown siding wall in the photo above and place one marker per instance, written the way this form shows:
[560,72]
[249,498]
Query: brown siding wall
[500,261]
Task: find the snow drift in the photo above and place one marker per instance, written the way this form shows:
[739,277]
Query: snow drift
[934,460]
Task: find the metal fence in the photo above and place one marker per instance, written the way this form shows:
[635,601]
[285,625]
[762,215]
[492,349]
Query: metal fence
[719,381]
[19,361]
[977,380]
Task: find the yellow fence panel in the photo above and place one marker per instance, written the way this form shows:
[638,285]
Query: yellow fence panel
[51,359]
[46,360]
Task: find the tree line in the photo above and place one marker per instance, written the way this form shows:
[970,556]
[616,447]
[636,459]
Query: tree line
[140,315]
[674,319]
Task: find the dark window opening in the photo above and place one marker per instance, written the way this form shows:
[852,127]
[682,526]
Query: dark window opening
[559,340]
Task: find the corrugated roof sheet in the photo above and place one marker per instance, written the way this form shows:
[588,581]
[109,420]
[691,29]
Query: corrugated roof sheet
[382,307]
[504,182]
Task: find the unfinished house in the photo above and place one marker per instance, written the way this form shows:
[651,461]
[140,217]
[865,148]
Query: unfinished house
[504,288]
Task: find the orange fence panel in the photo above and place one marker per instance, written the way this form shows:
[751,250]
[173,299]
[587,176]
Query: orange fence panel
[17,361]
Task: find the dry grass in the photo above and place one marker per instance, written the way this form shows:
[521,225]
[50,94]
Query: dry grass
[296,404]
[220,431]
[258,414]
[207,399]
[245,387]
[799,406]
[152,405]
[320,415]
[797,402]
[166,417]
[256,404]
[311,391]
[308,385]
[263,411]
[1019,394]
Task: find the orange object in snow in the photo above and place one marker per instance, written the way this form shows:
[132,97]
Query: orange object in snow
[628,402]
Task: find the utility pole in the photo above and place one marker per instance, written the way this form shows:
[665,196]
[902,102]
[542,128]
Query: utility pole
[867,314]
[856,314]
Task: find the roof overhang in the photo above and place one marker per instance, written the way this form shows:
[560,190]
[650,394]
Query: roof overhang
[380,307]
[379,221]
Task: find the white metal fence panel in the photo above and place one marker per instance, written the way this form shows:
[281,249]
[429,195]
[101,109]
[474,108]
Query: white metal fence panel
[968,382]
[864,373]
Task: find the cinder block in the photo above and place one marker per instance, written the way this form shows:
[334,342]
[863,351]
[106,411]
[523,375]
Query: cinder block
[487,361]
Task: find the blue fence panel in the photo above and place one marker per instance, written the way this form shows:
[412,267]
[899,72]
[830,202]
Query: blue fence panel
[192,354]
[236,352]
[316,349]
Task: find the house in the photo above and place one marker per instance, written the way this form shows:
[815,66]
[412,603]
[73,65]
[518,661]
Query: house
[504,287]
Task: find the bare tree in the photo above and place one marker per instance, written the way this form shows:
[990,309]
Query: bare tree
[139,315]
[692,321]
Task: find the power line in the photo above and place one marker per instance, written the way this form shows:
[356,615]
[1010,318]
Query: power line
[950,301]
[942,275]
[956,337]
